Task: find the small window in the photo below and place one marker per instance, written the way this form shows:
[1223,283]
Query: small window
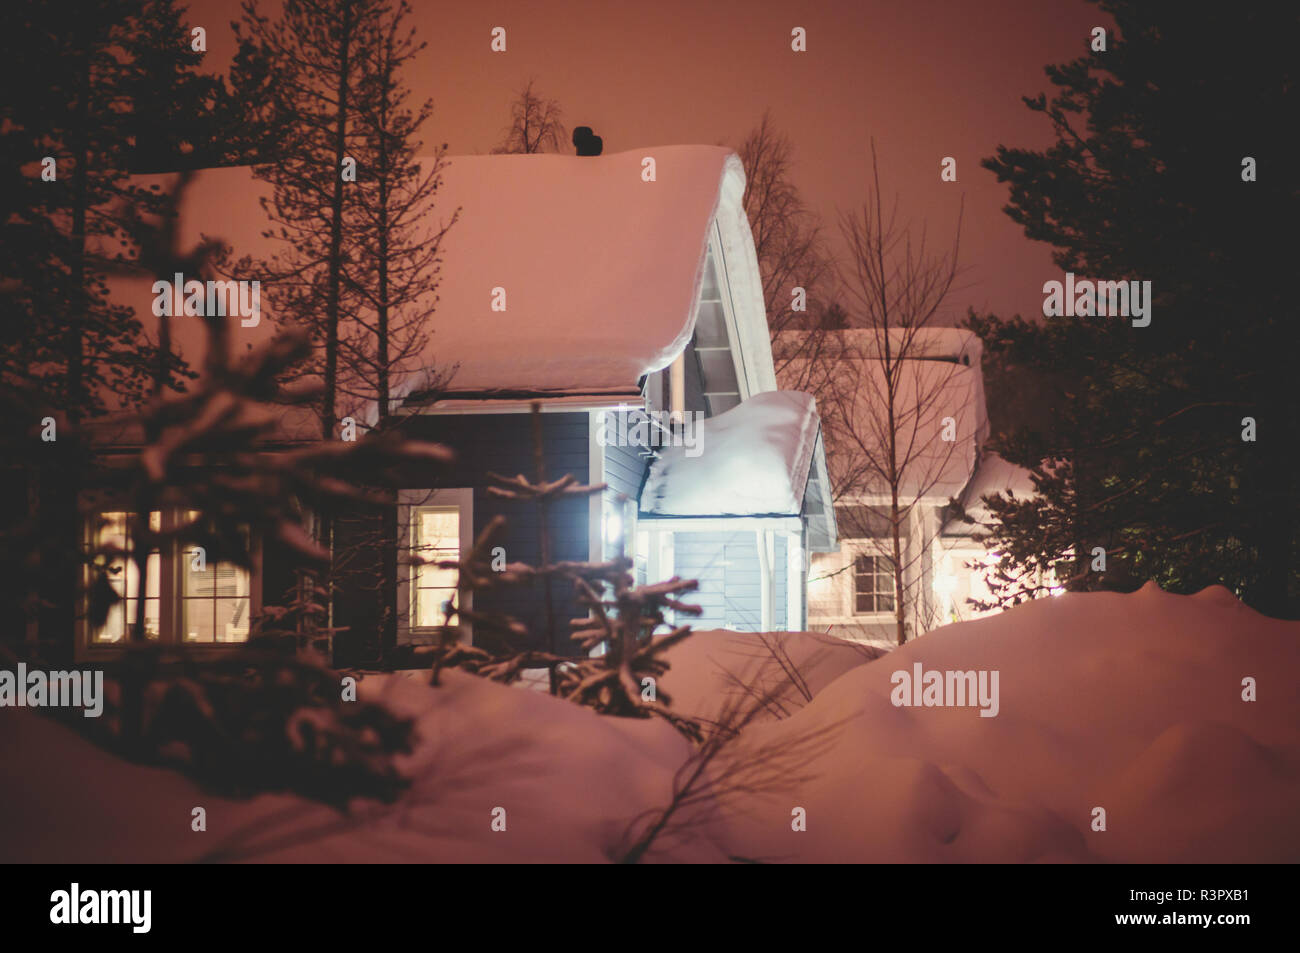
[435,537]
[436,526]
[873,585]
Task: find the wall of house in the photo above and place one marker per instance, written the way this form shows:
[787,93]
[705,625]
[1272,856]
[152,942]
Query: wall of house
[624,466]
[501,444]
[729,573]
[831,603]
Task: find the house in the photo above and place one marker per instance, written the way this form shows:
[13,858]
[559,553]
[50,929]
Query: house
[940,427]
[631,311]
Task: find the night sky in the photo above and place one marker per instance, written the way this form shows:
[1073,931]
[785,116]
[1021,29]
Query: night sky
[926,78]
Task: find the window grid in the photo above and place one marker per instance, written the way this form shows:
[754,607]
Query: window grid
[116,528]
[435,537]
[210,605]
[873,584]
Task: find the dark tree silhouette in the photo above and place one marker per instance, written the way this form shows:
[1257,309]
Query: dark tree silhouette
[536,125]
[1142,452]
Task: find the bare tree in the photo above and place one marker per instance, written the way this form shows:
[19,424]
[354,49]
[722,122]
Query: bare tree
[787,239]
[895,421]
[799,282]
[536,125]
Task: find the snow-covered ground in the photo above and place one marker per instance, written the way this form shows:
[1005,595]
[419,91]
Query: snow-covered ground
[1131,703]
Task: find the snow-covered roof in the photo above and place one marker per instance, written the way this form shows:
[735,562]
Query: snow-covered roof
[958,345]
[993,475]
[753,460]
[926,394]
[601,270]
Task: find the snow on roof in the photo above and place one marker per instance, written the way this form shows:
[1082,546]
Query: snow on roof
[753,461]
[993,475]
[601,270]
[997,475]
[926,344]
[926,394]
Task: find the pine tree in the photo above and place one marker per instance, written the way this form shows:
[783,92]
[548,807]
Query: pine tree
[67,351]
[393,235]
[1148,180]
[176,118]
[64,339]
[393,226]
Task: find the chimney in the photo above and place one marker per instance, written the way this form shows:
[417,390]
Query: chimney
[586,142]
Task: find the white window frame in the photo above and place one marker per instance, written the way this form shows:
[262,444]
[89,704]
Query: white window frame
[170,609]
[873,548]
[462,498]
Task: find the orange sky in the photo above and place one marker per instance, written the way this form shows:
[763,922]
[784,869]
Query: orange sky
[926,78]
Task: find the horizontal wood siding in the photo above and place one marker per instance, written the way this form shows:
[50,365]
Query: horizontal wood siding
[624,466]
[727,567]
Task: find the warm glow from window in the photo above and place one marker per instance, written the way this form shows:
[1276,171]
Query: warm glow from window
[113,530]
[214,597]
[435,536]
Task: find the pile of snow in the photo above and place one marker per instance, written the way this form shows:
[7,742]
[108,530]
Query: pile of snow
[713,668]
[751,460]
[1130,703]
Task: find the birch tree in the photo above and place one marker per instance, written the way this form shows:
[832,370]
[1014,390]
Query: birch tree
[888,407]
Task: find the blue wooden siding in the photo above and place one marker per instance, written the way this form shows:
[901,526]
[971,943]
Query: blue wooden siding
[624,466]
[730,576]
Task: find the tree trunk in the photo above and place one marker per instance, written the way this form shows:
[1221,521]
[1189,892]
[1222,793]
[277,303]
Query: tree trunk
[336,232]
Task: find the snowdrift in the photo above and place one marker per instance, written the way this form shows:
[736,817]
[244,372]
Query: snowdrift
[1130,703]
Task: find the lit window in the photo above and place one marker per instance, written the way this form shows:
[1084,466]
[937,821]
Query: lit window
[435,536]
[186,598]
[873,584]
[113,530]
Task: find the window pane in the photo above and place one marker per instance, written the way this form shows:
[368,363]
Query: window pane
[435,535]
[439,528]
[113,529]
[215,601]
[430,607]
